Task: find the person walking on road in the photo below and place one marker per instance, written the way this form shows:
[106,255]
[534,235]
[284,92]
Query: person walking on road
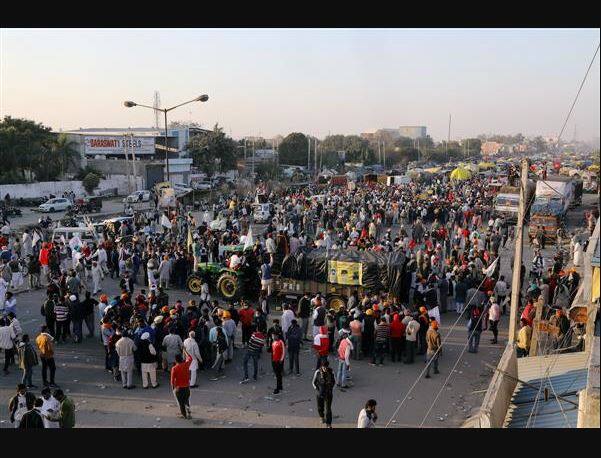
[411,339]
[345,349]
[191,349]
[323,383]
[253,351]
[294,341]
[45,344]
[17,405]
[367,416]
[125,348]
[278,353]
[180,384]
[7,343]
[66,416]
[148,361]
[434,348]
[28,359]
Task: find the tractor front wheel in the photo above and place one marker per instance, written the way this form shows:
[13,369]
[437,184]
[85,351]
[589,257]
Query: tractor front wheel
[228,286]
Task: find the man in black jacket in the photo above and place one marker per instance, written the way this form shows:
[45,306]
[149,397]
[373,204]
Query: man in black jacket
[32,419]
[47,311]
[304,313]
[19,404]
[294,340]
[323,383]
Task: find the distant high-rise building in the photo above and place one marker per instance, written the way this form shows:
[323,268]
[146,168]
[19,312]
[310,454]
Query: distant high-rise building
[413,132]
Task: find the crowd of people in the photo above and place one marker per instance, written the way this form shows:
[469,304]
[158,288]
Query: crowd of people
[452,242]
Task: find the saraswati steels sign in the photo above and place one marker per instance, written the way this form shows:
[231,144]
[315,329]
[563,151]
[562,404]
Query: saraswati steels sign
[111,145]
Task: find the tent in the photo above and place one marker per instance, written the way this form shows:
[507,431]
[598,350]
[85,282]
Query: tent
[433,170]
[486,165]
[472,168]
[461,174]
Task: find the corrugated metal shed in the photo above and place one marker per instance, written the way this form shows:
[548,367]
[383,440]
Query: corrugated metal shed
[567,376]
[547,414]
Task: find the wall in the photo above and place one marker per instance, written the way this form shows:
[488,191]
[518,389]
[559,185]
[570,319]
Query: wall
[498,396]
[57,188]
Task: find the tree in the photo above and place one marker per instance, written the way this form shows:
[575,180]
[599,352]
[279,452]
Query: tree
[539,144]
[82,173]
[24,148]
[63,150]
[294,149]
[91,182]
[213,151]
[267,170]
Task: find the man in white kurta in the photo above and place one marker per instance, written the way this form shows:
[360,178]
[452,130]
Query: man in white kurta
[191,349]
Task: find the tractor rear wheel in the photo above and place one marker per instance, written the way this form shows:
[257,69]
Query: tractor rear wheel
[194,284]
[228,287]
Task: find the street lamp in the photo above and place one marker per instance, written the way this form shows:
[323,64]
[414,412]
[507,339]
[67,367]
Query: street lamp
[130,104]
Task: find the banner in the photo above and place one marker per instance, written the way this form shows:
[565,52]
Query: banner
[249,242]
[110,145]
[345,273]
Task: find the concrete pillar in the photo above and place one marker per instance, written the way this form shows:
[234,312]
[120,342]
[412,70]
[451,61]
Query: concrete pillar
[588,410]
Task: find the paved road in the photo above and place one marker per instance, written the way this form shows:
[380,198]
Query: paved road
[100,402]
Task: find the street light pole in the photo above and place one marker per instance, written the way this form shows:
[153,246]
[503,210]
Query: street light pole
[166,149]
[130,104]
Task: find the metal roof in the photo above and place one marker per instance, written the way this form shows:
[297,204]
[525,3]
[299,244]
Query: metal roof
[547,414]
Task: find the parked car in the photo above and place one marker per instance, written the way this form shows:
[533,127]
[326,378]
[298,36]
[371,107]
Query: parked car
[137,196]
[56,205]
[202,185]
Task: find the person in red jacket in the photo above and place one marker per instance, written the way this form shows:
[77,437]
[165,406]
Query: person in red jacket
[397,338]
[321,344]
[44,259]
[180,384]
[246,315]
[278,353]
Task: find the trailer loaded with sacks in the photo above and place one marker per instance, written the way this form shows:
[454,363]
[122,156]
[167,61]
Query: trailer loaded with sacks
[340,272]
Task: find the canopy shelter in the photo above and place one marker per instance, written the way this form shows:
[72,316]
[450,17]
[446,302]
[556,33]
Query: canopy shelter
[461,174]
[486,165]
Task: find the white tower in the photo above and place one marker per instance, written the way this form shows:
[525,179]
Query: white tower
[156,104]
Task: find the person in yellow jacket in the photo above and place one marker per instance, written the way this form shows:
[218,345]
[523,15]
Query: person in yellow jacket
[524,337]
[45,343]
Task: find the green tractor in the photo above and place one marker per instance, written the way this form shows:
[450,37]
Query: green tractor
[230,284]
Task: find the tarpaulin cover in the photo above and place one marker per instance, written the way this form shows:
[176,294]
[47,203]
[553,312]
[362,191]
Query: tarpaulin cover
[381,271]
[549,207]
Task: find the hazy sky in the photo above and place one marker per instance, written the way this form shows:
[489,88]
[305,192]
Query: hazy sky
[275,81]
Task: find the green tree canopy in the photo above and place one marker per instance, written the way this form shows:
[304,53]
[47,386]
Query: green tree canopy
[24,148]
[213,151]
[90,182]
[294,148]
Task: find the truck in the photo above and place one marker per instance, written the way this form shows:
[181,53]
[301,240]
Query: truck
[339,180]
[554,197]
[398,180]
[507,201]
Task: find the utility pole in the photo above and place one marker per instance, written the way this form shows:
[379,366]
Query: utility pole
[448,138]
[517,262]
[127,171]
[308,154]
[134,166]
[253,169]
